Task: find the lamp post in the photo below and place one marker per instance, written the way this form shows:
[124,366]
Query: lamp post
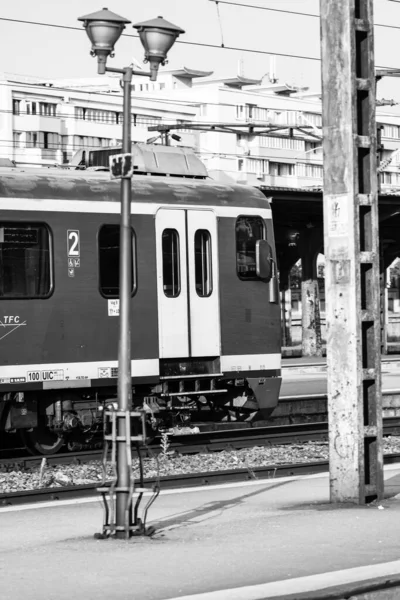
[157,36]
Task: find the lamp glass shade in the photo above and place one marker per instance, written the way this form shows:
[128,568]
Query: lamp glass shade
[104,34]
[157,42]
[103,28]
[157,36]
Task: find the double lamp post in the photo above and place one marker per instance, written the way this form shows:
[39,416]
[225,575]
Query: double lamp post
[157,37]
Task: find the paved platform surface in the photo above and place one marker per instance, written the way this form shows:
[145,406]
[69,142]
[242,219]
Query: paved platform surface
[308,379]
[310,361]
[264,539]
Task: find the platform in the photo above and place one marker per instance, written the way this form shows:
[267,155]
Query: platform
[263,539]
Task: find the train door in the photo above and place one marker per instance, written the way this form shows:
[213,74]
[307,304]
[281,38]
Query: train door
[187,283]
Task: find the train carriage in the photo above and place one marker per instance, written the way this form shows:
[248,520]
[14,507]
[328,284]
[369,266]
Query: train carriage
[205,314]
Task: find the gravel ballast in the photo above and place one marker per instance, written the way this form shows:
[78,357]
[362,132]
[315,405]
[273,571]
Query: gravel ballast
[14,479]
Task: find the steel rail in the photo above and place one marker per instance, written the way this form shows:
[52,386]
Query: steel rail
[179,481]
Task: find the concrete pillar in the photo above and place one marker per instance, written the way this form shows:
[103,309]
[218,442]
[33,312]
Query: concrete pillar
[310,244]
[286,308]
[351,251]
[288,255]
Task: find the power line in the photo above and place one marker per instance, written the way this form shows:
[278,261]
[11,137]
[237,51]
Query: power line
[278,10]
[201,44]
[186,42]
[289,12]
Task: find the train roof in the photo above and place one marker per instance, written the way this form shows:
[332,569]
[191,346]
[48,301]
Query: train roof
[96,186]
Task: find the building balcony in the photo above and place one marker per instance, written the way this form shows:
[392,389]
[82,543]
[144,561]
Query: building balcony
[281,181]
[36,123]
[37,156]
[83,128]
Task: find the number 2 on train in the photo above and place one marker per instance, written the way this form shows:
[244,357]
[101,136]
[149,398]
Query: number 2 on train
[73,242]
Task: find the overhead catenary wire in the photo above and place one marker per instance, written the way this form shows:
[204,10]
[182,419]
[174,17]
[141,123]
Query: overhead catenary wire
[186,42]
[200,44]
[278,10]
[290,12]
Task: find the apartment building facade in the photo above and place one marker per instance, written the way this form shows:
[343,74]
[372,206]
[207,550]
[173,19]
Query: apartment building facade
[46,122]
[285,157]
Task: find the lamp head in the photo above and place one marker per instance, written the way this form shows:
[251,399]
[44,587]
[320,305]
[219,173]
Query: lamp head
[103,28]
[157,37]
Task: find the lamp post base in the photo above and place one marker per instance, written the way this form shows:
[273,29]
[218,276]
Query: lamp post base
[126,523]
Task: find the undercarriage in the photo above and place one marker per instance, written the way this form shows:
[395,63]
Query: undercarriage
[49,421]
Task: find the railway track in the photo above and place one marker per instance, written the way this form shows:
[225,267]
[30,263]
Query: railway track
[211,441]
[178,481]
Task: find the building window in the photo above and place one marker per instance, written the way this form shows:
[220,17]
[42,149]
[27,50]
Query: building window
[202,263]
[171,263]
[391,131]
[25,260]
[17,139]
[281,169]
[240,111]
[50,140]
[314,119]
[32,139]
[258,166]
[386,177]
[47,109]
[80,112]
[31,108]
[248,231]
[283,143]
[108,241]
[309,170]
[16,107]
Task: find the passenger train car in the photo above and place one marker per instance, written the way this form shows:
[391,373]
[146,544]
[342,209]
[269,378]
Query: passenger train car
[205,314]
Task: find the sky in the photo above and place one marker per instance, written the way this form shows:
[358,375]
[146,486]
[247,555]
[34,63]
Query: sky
[49,52]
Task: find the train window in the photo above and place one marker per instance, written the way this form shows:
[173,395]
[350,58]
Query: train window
[25,260]
[171,264]
[108,241]
[248,231]
[202,263]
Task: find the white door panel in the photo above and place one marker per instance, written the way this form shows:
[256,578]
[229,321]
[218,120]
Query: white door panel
[188,313]
[172,303]
[204,322]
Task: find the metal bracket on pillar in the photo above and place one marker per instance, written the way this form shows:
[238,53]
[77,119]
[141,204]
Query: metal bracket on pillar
[351,251]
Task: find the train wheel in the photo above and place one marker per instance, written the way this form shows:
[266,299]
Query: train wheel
[42,440]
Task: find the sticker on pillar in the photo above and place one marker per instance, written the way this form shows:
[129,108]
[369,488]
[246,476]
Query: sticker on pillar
[341,271]
[338,215]
[113,308]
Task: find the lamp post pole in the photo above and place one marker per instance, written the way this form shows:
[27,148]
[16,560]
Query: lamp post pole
[125,283]
[157,37]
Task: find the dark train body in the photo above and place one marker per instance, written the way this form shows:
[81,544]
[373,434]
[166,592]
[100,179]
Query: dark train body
[205,326]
